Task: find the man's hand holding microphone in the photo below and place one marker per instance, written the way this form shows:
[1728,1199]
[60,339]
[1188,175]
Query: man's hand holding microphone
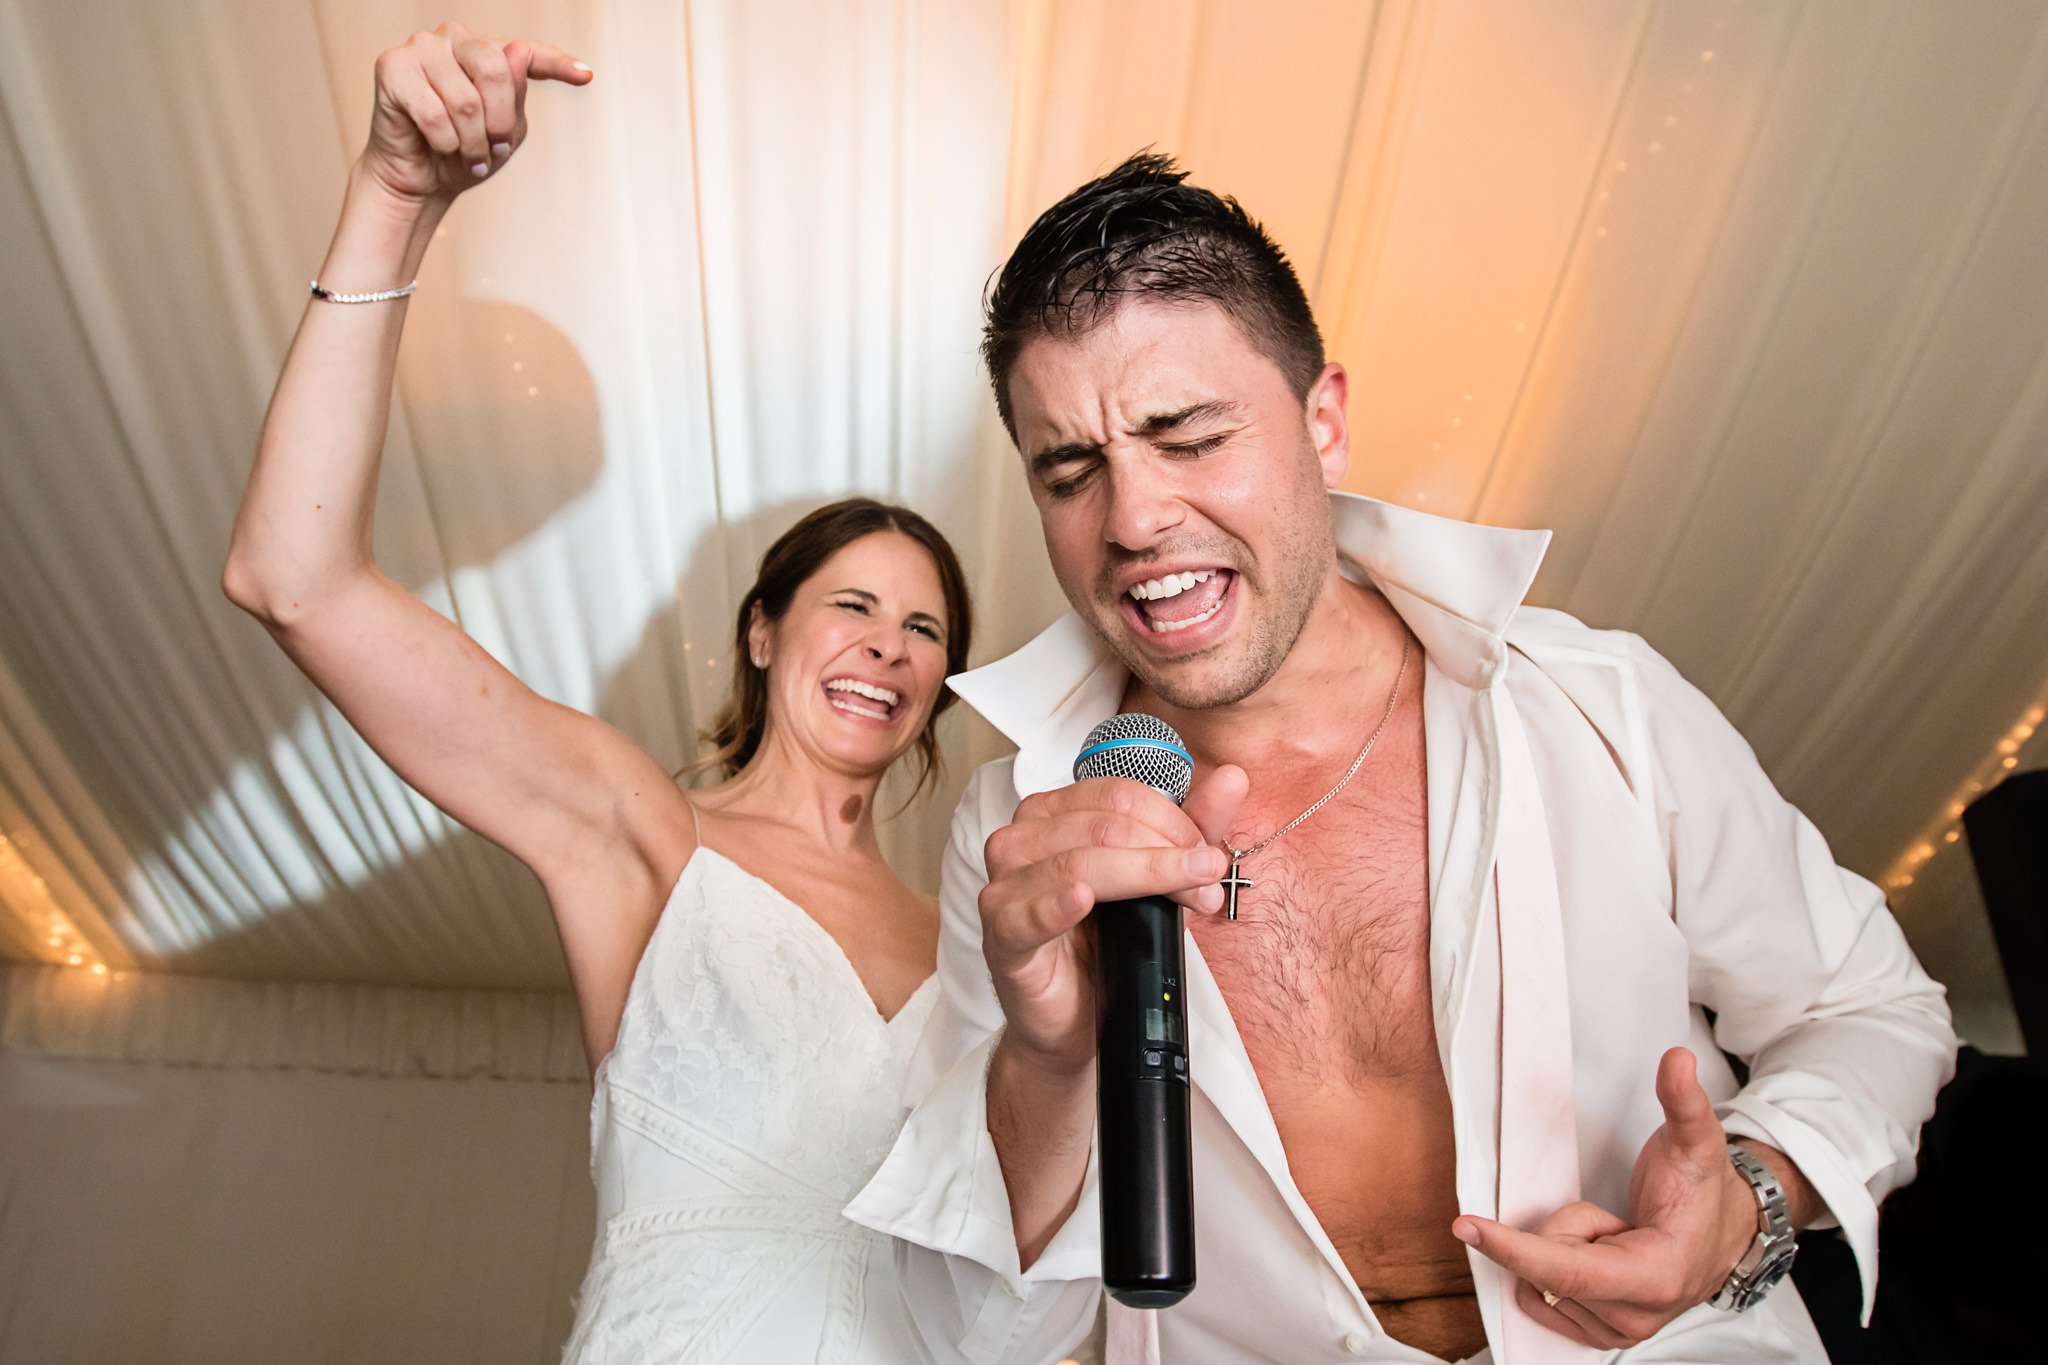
[1066,851]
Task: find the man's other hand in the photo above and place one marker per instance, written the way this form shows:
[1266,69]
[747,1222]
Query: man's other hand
[1692,1218]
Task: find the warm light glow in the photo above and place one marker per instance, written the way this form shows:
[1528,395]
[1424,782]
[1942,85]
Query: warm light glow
[2002,760]
[99,969]
[74,959]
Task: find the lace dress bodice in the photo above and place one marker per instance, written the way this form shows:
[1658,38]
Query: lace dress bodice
[753,1090]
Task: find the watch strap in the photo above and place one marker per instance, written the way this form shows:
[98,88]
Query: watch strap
[1769,1257]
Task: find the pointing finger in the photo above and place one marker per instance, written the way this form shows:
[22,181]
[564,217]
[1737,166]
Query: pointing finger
[1575,1270]
[550,63]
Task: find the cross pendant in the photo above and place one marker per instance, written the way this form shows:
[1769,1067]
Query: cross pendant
[1232,884]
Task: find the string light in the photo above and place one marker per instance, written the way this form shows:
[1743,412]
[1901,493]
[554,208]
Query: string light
[2003,758]
[24,891]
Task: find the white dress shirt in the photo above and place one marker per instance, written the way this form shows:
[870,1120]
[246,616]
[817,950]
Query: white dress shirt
[1699,909]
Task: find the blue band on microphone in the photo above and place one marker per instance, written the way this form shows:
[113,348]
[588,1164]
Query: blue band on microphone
[1139,743]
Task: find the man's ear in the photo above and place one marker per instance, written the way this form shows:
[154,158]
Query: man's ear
[1328,427]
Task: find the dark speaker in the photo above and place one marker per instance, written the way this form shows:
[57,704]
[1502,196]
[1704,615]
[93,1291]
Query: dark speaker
[2008,833]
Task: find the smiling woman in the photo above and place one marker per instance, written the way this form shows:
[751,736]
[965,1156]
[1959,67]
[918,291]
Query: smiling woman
[821,540]
[751,975]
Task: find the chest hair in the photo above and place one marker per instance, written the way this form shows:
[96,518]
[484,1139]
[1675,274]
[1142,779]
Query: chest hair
[1327,969]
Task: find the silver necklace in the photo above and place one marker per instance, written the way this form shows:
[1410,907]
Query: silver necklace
[1237,881]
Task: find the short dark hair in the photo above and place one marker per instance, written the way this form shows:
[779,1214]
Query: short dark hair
[1141,232]
[735,733]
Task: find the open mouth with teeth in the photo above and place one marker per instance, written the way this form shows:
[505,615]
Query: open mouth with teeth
[857,698]
[1179,601]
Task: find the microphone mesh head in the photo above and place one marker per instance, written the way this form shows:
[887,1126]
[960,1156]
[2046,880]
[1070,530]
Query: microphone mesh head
[1140,747]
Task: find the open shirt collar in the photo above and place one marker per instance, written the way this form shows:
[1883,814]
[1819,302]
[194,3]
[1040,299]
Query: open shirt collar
[1456,584]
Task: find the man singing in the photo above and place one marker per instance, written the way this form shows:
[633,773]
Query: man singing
[1483,896]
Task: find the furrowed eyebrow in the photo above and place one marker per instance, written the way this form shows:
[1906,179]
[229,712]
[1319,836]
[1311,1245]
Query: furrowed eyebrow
[862,593]
[1156,425]
[1063,454]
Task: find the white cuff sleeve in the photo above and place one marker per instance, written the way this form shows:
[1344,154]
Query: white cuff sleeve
[940,1193]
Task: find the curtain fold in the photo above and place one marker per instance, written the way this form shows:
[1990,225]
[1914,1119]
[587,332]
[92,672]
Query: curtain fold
[1744,300]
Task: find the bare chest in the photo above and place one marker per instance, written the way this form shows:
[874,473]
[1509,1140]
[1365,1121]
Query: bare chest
[1327,976]
[1327,967]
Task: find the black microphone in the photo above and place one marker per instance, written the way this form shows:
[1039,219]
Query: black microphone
[1141,1074]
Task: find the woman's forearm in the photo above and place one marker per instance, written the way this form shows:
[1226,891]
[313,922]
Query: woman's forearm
[304,528]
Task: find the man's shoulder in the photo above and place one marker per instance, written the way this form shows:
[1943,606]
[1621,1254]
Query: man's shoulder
[1544,633]
[1609,679]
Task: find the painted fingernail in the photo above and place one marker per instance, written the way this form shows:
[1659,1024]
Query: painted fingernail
[501,150]
[481,169]
[579,66]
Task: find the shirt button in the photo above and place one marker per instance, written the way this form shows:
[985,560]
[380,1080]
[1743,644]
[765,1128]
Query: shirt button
[1356,1343]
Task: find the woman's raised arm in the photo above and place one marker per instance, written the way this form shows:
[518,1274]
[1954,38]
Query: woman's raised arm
[596,818]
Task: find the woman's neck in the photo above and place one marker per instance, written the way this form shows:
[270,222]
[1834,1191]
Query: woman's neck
[834,808]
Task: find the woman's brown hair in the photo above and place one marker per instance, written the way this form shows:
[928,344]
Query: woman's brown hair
[798,553]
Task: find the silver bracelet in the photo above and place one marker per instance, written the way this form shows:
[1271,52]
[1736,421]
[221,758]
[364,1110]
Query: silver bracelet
[321,292]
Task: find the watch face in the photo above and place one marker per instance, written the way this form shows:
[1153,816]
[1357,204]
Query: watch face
[1775,1266]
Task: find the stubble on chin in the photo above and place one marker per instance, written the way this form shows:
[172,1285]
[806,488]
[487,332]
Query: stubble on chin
[1272,611]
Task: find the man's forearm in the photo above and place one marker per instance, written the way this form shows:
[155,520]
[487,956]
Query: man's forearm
[1042,1121]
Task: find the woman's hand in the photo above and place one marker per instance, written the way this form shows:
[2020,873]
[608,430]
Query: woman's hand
[451,109]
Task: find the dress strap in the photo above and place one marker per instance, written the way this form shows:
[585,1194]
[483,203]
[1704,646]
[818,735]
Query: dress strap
[696,825]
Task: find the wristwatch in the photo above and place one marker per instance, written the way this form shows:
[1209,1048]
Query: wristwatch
[1769,1258]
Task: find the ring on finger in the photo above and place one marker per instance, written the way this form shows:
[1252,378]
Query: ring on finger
[1549,1299]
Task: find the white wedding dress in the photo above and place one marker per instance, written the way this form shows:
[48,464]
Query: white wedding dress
[753,1090]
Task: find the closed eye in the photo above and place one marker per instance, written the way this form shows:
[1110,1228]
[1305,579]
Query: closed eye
[1193,449]
[1067,487]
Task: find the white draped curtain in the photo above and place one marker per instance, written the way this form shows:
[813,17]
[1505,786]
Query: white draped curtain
[1744,299]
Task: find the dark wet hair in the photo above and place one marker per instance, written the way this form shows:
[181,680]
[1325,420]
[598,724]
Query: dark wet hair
[735,735]
[1140,232]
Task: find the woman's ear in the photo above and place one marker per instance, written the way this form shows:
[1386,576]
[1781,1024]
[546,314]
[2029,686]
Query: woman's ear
[757,637]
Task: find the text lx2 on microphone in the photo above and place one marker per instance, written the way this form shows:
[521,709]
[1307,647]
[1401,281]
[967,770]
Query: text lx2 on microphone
[1141,1075]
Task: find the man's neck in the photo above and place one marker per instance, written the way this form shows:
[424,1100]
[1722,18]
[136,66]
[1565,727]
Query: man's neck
[1309,712]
